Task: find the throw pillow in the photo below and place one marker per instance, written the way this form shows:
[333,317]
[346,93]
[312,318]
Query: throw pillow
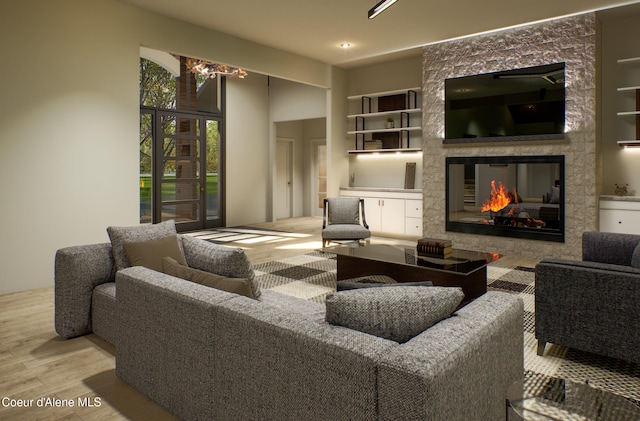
[555,195]
[235,285]
[395,313]
[121,235]
[635,258]
[231,262]
[150,253]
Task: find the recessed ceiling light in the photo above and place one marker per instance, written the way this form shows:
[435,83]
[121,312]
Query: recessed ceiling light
[345,45]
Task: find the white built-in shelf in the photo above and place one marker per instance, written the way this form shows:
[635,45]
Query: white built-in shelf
[384,113]
[394,130]
[371,125]
[625,143]
[374,151]
[385,93]
[632,60]
[628,88]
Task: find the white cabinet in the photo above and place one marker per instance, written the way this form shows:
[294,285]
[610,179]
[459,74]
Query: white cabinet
[620,215]
[385,215]
[389,212]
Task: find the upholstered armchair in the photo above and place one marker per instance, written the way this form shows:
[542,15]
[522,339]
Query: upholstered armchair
[343,219]
[593,304]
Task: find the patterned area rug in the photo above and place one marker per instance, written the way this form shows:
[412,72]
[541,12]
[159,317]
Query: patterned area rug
[312,277]
[243,235]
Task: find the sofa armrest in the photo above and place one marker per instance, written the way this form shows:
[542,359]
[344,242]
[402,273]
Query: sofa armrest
[608,247]
[459,368]
[78,270]
[589,306]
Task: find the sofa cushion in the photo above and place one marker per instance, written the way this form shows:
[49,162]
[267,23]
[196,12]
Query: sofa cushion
[395,313]
[222,260]
[150,253]
[635,257]
[121,235]
[344,210]
[239,286]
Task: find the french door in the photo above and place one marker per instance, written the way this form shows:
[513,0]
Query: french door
[186,180]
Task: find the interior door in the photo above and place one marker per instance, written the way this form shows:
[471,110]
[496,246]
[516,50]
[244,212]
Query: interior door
[185,184]
[284,179]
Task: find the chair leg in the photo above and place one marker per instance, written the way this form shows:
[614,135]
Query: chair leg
[541,346]
[324,243]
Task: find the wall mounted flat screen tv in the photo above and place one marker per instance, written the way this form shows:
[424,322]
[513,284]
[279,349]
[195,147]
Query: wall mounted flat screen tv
[513,105]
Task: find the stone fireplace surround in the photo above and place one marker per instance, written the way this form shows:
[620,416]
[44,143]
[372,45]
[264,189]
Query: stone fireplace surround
[572,40]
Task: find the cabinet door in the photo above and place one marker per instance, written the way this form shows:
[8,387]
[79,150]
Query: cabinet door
[413,208]
[372,212]
[392,217]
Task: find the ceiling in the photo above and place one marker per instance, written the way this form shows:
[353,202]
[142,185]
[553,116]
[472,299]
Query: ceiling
[316,29]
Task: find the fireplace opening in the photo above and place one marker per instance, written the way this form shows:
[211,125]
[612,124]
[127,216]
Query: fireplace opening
[510,196]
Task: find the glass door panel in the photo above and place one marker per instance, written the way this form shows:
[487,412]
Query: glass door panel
[146,166]
[180,178]
[212,153]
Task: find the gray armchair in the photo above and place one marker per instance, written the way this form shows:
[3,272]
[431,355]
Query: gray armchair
[592,305]
[343,219]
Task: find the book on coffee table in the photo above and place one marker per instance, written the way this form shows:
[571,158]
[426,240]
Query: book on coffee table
[435,246]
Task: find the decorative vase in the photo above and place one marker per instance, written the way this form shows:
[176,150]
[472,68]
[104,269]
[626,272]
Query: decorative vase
[621,189]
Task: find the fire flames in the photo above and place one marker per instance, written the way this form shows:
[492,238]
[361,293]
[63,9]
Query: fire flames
[500,197]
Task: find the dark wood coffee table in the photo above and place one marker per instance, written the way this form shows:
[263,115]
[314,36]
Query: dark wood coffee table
[464,268]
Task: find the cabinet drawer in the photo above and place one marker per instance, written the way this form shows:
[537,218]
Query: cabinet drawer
[620,221]
[413,226]
[413,208]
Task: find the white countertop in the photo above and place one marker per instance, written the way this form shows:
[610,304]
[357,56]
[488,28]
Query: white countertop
[621,198]
[383,189]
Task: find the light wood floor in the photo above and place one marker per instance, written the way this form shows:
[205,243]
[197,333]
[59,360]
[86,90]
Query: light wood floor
[35,363]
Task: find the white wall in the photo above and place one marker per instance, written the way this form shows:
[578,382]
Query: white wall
[383,170]
[295,101]
[619,41]
[247,150]
[68,136]
[70,123]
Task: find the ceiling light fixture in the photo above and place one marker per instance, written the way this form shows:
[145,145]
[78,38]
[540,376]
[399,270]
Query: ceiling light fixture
[210,70]
[345,45]
[380,7]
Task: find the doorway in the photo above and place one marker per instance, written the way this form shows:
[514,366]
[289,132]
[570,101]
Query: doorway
[319,165]
[185,183]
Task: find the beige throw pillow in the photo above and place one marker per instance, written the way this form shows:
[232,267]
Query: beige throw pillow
[235,285]
[150,253]
[145,232]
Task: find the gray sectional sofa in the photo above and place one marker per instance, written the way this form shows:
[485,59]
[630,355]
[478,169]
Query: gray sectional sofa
[207,354]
